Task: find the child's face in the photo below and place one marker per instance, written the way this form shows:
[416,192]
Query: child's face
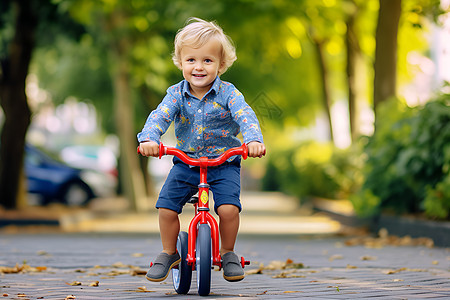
[200,66]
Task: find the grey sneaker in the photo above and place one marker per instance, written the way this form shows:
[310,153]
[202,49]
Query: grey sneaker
[232,268]
[160,268]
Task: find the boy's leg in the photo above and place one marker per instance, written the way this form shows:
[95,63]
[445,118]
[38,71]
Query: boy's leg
[228,227]
[169,257]
[225,185]
[169,227]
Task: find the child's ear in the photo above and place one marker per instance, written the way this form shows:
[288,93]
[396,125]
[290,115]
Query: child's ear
[222,67]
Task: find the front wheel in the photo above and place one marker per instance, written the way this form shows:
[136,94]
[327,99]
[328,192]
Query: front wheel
[182,276]
[203,259]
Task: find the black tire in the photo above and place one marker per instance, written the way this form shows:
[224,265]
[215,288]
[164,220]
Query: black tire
[203,260]
[182,276]
[76,193]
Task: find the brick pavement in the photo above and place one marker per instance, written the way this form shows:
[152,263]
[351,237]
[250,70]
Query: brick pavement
[331,269]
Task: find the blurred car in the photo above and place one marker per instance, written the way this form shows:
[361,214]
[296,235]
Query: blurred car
[50,180]
[101,160]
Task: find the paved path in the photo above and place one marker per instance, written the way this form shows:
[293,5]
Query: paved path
[331,270]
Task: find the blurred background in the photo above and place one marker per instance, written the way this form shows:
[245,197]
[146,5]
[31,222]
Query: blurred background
[352,96]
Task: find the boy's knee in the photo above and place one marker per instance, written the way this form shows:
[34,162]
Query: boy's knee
[166,213]
[228,211]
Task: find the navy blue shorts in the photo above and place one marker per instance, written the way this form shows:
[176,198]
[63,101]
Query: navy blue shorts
[182,183]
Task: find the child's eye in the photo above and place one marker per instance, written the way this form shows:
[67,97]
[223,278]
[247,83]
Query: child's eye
[190,60]
[208,61]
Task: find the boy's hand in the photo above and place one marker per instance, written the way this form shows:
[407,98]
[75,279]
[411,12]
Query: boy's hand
[256,149]
[150,148]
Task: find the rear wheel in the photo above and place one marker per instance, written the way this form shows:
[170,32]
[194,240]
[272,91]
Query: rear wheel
[182,276]
[203,259]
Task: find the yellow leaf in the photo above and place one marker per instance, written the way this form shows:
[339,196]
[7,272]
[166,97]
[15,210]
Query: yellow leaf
[95,283]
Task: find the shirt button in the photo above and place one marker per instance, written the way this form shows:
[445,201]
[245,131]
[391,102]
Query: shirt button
[201,153]
[198,138]
[199,110]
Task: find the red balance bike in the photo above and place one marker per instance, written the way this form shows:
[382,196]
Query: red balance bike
[199,248]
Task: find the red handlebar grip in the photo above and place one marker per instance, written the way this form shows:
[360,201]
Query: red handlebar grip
[245,151]
[162,150]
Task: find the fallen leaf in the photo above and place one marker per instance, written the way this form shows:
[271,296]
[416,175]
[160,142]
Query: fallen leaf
[289,292]
[276,265]
[137,255]
[368,257]
[397,280]
[70,297]
[74,283]
[20,269]
[351,267]
[119,265]
[94,283]
[80,271]
[5,295]
[288,275]
[435,262]
[263,293]
[395,271]
[255,271]
[143,289]
[384,239]
[334,257]
[21,295]
[138,272]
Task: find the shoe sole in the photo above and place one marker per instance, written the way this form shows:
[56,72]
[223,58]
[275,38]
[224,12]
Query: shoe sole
[233,278]
[163,278]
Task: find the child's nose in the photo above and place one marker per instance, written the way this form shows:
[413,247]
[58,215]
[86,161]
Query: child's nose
[199,66]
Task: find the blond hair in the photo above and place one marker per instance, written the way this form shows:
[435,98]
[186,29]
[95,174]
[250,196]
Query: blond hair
[198,32]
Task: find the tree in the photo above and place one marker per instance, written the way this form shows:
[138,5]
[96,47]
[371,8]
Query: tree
[353,53]
[14,69]
[385,65]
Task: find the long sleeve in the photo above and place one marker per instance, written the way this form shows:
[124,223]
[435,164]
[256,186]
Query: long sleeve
[160,119]
[245,117]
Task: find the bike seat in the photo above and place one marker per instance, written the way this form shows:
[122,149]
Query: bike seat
[193,200]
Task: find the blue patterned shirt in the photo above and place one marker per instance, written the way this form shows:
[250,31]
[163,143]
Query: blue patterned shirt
[206,127]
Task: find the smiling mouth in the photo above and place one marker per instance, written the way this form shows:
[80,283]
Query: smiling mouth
[199,75]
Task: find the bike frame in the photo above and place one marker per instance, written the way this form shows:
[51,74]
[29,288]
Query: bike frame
[202,215]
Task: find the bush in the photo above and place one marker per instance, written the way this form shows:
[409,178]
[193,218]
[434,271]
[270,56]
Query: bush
[313,169]
[408,161]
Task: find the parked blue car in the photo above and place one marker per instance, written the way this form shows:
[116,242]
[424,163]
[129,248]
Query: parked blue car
[52,181]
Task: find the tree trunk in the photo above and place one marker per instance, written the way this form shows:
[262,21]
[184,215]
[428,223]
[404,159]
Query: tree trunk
[323,71]
[14,101]
[131,174]
[353,53]
[385,65]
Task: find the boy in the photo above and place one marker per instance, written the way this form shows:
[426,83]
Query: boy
[208,114]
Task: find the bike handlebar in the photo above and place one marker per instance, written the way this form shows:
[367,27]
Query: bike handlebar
[202,161]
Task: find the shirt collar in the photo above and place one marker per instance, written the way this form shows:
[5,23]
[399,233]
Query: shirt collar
[214,88]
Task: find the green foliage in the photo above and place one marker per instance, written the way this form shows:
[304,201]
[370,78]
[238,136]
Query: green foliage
[408,160]
[437,201]
[314,169]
